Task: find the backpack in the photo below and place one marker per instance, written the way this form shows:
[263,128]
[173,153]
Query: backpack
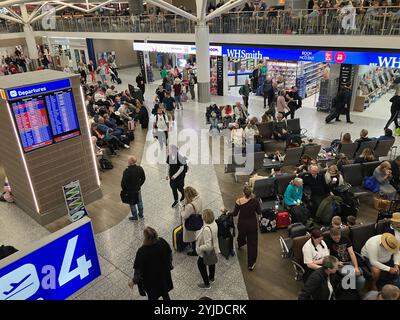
[106,164]
[225,224]
[371,184]
[267,86]
[267,222]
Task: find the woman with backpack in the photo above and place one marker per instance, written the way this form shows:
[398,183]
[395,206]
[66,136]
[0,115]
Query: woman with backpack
[247,207]
[161,127]
[192,206]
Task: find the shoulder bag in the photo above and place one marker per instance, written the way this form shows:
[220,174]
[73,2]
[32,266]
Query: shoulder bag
[194,222]
[210,258]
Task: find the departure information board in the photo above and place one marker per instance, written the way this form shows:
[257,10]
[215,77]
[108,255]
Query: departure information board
[62,115]
[44,113]
[32,122]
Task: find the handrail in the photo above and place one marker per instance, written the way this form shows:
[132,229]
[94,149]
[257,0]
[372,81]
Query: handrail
[347,20]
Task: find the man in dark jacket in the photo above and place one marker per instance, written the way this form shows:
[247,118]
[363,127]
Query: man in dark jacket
[132,181]
[315,182]
[321,284]
[396,173]
[140,82]
[344,102]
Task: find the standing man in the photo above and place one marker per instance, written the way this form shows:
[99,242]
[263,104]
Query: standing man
[90,68]
[344,102]
[244,91]
[131,183]
[293,101]
[192,82]
[164,73]
[169,105]
[140,82]
[267,85]
[176,172]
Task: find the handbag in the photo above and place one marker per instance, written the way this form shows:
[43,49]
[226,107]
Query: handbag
[381,203]
[210,258]
[194,222]
[129,198]
[131,125]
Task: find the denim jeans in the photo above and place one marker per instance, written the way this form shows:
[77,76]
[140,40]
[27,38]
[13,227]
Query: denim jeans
[349,269]
[214,123]
[139,208]
[178,101]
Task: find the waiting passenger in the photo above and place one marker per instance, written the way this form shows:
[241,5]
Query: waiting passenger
[227,115]
[351,221]
[383,174]
[363,137]
[153,265]
[192,205]
[237,135]
[388,292]
[294,193]
[342,248]
[247,207]
[367,155]
[279,128]
[315,181]
[241,112]
[207,245]
[381,253]
[321,284]
[333,177]
[388,135]
[314,251]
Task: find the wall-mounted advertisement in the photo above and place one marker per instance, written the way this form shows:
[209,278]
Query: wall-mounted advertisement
[173,48]
[74,200]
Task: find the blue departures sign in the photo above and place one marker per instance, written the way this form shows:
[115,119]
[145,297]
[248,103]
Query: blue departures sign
[390,60]
[36,89]
[54,271]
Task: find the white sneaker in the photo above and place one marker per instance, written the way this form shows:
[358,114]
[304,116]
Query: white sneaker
[126,146]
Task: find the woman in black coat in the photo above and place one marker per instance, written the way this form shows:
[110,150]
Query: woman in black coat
[316,286]
[153,265]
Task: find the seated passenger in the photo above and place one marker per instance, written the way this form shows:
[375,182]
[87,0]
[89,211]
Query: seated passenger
[351,221]
[251,132]
[342,248]
[388,292]
[388,135]
[383,174]
[227,115]
[305,162]
[240,112]
[315,181]
[314,251]
[342,160]
[294,193]
[237,135]
[367,155]
[335,144]
[381,253]
[363,137]
[333,177]
[396,173]
[267,117]
[213,112]
[322,283]
[279,128]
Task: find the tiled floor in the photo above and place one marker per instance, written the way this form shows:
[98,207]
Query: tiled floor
[117,246]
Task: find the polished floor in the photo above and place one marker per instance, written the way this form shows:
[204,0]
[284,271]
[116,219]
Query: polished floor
[117,238]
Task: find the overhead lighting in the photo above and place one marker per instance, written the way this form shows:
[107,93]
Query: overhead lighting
[23,158]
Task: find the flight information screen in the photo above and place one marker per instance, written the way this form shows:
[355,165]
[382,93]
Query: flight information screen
[62,115]
[46,115]
[32,123]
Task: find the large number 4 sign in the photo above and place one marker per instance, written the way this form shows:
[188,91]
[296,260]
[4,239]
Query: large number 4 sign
[82,270]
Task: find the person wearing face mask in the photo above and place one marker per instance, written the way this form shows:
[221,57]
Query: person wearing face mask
[314,251]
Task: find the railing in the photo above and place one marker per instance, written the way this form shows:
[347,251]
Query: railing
[10,27]
[348,20]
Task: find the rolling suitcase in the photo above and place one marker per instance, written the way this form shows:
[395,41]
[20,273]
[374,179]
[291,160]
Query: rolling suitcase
[331,116]
[226,246]
[177,239]
[296,230]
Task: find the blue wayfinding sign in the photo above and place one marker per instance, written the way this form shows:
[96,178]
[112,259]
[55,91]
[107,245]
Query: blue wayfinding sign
[389,60]
[54,271]
[36,89]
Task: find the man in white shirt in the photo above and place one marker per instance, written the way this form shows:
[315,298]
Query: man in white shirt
[382,254]
[161,127]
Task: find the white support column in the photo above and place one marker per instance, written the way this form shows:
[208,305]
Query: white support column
[29,37]
[203,62]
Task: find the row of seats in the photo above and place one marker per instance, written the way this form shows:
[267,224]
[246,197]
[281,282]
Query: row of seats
[381,148]
[359,234]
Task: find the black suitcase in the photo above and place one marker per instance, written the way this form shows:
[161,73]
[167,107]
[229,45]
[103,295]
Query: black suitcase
[131,135]
[296,230]
[226,246]
[299,214]
[331,116]
[105,164]
[125,140]
[6,251]
[267,222]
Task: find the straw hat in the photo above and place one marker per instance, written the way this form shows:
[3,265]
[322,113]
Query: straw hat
[390,242]
[395,217]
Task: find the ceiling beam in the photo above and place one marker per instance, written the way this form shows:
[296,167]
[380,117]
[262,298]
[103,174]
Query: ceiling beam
[201,9]
[34,12]
[226,7]
[60,7]
[5,17]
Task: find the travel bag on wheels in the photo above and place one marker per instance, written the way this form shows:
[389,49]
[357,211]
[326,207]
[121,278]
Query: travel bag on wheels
[226,234]
[226,246]
[177,239]
[296,230]
[267,222]
[282,220]
[332,115]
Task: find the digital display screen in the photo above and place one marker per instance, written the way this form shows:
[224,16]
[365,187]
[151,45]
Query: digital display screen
[62,115]
[45,118]
[32,123]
